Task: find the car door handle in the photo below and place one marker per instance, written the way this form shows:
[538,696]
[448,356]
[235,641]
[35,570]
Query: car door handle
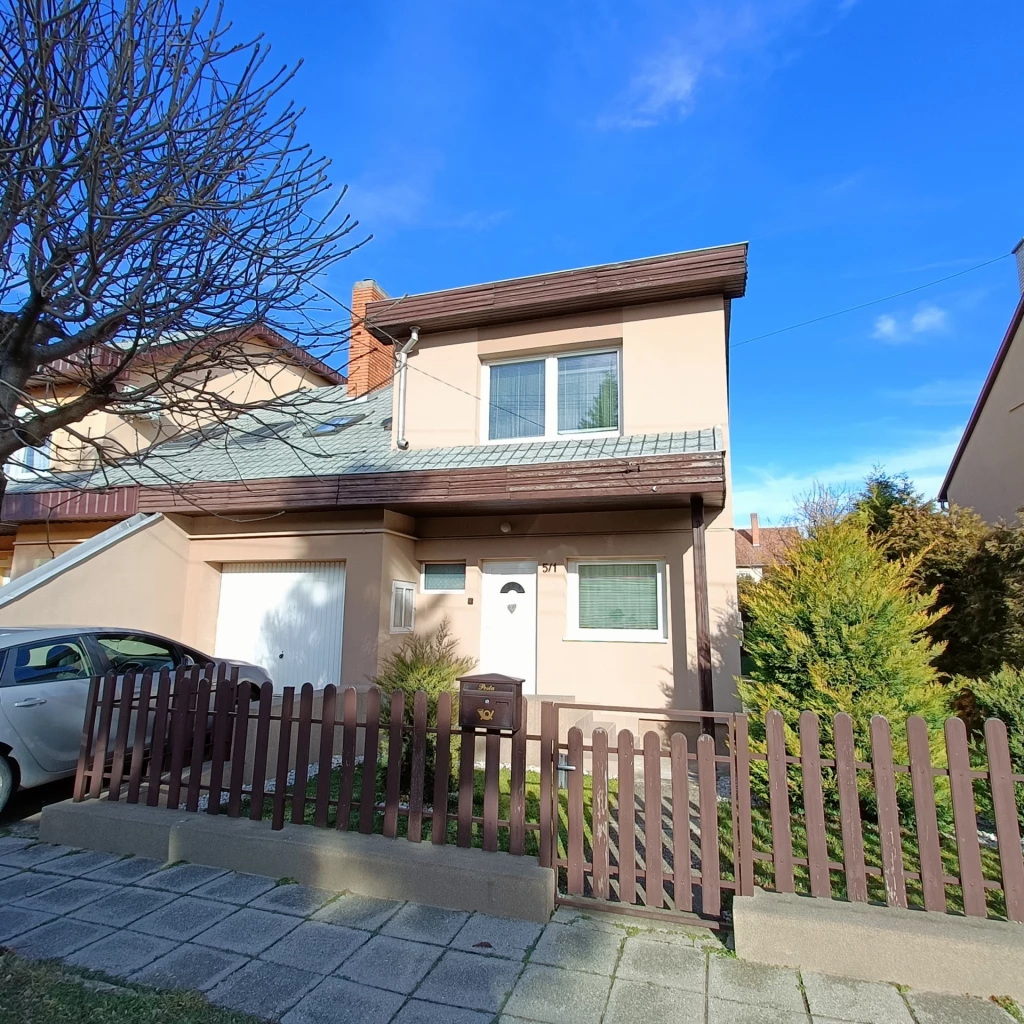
[30,703]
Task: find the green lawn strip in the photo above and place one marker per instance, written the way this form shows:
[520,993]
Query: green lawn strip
[764,876]
[504,798]
[763,873]
[34,992]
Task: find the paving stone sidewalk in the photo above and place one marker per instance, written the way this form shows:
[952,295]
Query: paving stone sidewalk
[306,956]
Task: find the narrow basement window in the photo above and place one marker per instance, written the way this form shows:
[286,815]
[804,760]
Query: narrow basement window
[403,599]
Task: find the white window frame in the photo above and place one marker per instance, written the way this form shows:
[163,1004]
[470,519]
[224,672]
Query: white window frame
[401,587]
[633,636]
[441,561]
[18,467]
[550,360]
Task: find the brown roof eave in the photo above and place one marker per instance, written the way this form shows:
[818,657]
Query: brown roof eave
[71,371]
[986,388]
[662,481]
[717,271]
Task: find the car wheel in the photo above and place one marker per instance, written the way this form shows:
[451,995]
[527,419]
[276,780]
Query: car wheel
[6,782]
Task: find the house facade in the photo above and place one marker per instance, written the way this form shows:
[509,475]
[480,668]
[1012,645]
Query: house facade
[987,471]
[760,547]
[542,462]
[230,369]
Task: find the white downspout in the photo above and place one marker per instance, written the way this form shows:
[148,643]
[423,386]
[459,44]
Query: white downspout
[403,370]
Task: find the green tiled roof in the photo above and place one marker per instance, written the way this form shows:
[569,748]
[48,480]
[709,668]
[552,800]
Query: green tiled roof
[280,443]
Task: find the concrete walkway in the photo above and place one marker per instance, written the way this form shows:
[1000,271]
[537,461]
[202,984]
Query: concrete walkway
[307,956]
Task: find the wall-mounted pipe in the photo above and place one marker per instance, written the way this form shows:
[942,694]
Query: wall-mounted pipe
[403,370]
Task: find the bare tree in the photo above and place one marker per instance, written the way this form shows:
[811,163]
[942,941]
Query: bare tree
[821,505]
[155,200]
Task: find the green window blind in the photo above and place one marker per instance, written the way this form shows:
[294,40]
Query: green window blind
[444,576]
[620,596]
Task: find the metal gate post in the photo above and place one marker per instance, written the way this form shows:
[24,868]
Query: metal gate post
[743,830]
[548,784]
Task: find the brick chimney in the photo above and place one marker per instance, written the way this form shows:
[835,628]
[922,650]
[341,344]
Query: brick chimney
[755,530]
[1018,251]
[370,362]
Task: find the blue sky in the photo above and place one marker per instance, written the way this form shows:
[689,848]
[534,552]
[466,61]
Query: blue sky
[862,147]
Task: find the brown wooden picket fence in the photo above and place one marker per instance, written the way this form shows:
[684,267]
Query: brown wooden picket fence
[145,741]
[824,826]
[944,867]
[708,814]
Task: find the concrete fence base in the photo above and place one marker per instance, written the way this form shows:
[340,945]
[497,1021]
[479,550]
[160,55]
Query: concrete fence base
[440,876]
[934,952]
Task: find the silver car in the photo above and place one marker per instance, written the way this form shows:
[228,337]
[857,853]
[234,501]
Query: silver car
[44,684]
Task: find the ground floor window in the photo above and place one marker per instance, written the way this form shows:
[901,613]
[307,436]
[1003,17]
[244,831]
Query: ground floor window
[444,577]
[403,597]
[617,600]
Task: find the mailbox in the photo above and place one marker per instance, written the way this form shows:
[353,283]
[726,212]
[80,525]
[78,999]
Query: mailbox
[492,702]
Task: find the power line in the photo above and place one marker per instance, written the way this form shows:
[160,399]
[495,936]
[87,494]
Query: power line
[872,302]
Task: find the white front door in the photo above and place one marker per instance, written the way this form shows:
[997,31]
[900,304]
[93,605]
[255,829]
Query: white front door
[508,628]
[286,617]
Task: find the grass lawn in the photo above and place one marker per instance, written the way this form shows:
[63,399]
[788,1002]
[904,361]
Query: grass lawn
[49,993]
[504,791]
[763,871]
[764,874]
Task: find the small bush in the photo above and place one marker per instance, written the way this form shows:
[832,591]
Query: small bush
[1001,696]
[428,662]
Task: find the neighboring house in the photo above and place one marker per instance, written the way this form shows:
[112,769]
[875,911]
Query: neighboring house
[987,471]
[542,461]
[761,547]
[253,365]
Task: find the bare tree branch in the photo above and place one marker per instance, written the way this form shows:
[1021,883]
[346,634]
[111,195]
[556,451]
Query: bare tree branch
[155,201]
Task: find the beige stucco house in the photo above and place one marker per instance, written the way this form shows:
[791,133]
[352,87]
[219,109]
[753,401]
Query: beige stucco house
[250,367]
[212,376]
[544,462]
[987,471]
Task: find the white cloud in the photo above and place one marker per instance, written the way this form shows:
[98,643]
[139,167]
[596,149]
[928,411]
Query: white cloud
[663,88]
[927,319]
[774,494]
[885,327]
[937,393]
[413,204]
[665,80]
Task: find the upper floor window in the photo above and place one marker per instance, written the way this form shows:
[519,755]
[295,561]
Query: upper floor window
[553,396]
[29,463]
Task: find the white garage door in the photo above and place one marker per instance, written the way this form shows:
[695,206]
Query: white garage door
[285,616]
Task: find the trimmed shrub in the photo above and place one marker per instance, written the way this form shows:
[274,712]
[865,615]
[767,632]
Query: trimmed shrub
[428,662]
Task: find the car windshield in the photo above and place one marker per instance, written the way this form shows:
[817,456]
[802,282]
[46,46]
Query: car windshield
[133,653]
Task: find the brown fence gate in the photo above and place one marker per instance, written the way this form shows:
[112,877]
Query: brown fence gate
[652,823]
